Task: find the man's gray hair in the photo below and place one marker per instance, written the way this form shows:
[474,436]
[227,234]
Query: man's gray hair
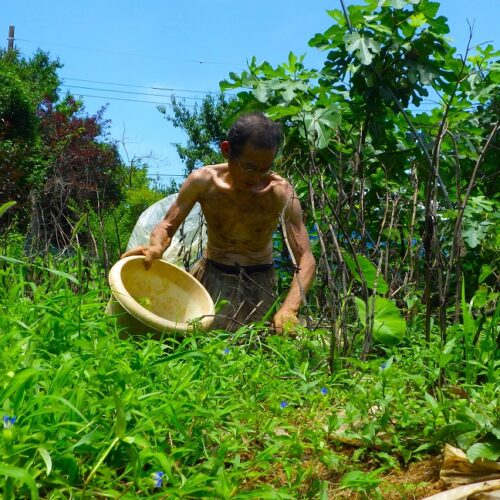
[255,129]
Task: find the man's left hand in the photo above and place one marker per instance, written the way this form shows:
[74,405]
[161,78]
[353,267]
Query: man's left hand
[285,321]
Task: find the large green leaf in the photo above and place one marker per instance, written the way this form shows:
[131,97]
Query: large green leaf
[364,47]
[277,112]
[46,458]
[368,270]
[488,451]
[388,325]
[321,123]
[475,233]
[261,92]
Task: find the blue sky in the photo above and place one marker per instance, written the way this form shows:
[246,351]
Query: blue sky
[187,45]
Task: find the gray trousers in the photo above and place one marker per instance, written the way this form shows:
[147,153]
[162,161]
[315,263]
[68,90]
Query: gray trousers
[249,291]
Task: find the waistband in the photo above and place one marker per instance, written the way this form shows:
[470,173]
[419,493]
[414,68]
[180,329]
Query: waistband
[257,268]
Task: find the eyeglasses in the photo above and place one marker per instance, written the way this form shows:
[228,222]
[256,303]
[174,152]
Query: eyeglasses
[249,168]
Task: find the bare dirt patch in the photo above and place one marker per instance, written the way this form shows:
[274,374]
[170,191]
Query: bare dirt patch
[418,480]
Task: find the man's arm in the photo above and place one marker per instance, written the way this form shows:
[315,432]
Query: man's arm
[298,240]
[163,232]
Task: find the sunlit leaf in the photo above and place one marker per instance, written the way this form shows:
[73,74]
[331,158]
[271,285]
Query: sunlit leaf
[261,92]
[364,47]
[20,378]
[389,326]
[368,271]
[483,450]
[46,458]
[486,270]
[277,112]
[6,206]
[417,20]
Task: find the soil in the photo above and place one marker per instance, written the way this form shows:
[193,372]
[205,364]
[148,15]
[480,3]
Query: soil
[419,480]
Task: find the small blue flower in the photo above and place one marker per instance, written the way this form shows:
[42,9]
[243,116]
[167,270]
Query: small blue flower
[226,351]
[383,366]
[8,422]
[283,404]
[324,391]
[158,479]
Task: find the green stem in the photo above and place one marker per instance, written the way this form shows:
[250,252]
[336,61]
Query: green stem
[98,464]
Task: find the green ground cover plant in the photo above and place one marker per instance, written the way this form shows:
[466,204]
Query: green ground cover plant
[253,415]
[393,149]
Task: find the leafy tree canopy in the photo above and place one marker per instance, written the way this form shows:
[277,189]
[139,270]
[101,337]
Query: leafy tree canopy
[206,128]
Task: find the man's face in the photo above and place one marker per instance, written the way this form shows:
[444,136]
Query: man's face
[252,167]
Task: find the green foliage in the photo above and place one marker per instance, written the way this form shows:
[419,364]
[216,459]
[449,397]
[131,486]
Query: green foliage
[219,414]
[52,155]
[17,110]
[485,451]
[366,273]
[205,127]
[4,207]
[369,160]
[24,84]
[388,325]
[361,481]
[102,232]
[408,191]
[481,223]
[113,226]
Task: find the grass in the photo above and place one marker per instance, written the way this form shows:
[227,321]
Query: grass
[213,415]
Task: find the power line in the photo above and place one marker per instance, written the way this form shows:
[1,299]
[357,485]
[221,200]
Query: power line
[146,87]
[195,61]
[130,92]
[166,175]
[133,100]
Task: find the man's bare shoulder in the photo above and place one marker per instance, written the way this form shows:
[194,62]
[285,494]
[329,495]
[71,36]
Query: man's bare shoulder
[280,182]
[203,177]
[204,173]
[281,187]
[207,174]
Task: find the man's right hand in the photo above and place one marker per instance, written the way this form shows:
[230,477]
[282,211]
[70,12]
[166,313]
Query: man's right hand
[150,252]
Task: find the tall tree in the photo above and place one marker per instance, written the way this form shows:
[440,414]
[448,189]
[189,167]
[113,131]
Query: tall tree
[81,171]
[55,159]
[24,84]
[382,179]
[205,126]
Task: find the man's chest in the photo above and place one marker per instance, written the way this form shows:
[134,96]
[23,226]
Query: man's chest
[241,209]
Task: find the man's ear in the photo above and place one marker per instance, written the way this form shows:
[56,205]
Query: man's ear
[225,149]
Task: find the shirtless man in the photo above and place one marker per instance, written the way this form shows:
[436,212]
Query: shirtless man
[242,201]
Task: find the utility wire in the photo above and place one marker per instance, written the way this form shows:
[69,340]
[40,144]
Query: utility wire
[166,175]
[419,109]
[205,92]
[195,61]
[130,92]
[133,100]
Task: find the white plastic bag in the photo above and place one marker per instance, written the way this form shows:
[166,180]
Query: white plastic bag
[189,240]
